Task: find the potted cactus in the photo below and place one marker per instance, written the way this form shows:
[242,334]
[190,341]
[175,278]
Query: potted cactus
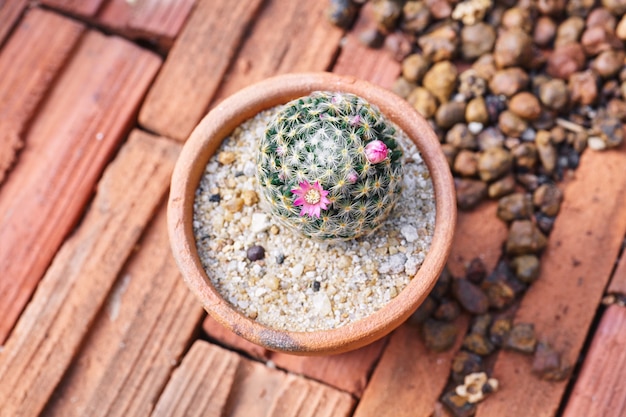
[328,168]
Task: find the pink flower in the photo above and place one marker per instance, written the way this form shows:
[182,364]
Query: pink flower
[353,177]
[312,198]
[376,151]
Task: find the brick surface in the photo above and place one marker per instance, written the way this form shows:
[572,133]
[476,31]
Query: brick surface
[247,389]
[409,378]
[87,8]
[375,65]
[287,36]
[618,281]
[29,64]
[600,389]
[10,12]
[575,270]
[83,120]
[155,20]
[479,234]
[227,338]
[195,66]
[200,386]
[148,321]
[348,371]
[53,326]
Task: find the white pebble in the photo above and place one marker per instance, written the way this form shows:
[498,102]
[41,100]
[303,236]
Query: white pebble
[321,303]
[409,232]
[475,127]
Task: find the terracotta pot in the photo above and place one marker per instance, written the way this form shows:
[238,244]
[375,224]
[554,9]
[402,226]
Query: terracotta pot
[203,143]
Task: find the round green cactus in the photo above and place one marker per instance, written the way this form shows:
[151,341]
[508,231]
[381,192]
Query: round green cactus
[329,166]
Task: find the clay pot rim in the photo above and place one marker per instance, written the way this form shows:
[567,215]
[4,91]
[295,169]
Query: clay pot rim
[203,143]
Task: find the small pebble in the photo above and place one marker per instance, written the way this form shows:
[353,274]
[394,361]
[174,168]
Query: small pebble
[226,157]
[465,363]
[478,344]
[439,335]
[469,192]
[524,238]
[470,296]
[215,198]
[517,206]
[255,253]
[526,268]
[499,330]
[522,338]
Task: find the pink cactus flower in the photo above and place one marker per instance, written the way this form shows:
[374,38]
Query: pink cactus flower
[376,151]
[312,198]
[353,177]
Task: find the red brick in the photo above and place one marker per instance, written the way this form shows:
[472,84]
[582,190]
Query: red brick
[10,12]
[600,389]
[195,66]
[42,43]
[56,321]
[82,122]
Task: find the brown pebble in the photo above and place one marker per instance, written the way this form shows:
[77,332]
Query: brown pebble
[386,12]
[494,163]
[415,16]
[470,296]
[508,81]
[517,17]
[442,285]
[522,338]
[440,44]
[234,205]
[226,157]
[617,108]
[620,31]
[609,130]
[525,105]
[398,44]
[545,31]
[598,39]
[471,84]
[600,17]
[579,7]
[485,66]
[475,271]
[423,312]
[551,7]
[583,87]
[513,48]
[569,31]
[524,238]
[525,156]
[476,111]
[566,60]
[478,344]
[249,197]
[547,198]
[526,268]
[450,114]
[511,124]
[548,364]
[341,12]
[616,7]
[554,94]
[481,323]
[499,330]
[440,80]
[490,137]
[403,87]
[466,163]
[459,406]
[439,335]
[502,187]
[469,193]
[414,67]
[439,9]
[546,150]
[608,63]
[477,40]
[517,206]
[501,287]
[448,310]
[465,363]
[423,101]
[372,37]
